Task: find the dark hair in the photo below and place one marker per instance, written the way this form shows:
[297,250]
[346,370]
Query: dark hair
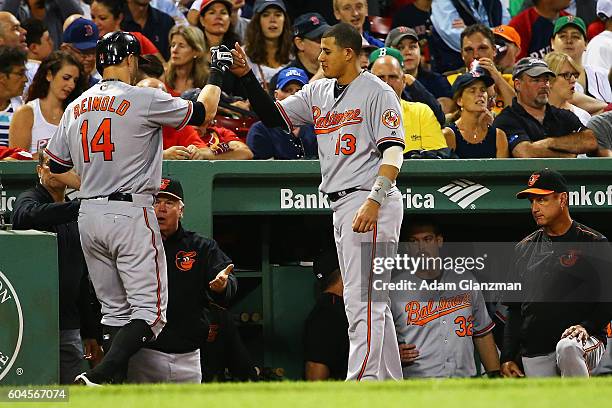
[114,6]
[10,57]
[478,28]
[35,30]
[423,221]
[54,62]
[346,36]
[256,42]
[150,66]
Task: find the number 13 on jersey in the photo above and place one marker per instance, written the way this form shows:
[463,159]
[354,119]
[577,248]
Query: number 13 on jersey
[101,141]
[345,144]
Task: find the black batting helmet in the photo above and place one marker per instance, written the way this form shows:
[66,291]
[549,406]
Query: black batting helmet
[114,47]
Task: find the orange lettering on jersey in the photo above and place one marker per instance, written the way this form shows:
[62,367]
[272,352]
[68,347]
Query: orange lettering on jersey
[96,103]
[104,103]
[421,315]
[110,105]
[123,107]
[333,121]
[76,111]
[83,107]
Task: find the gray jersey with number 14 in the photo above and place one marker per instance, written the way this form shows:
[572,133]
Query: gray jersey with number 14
[112,136]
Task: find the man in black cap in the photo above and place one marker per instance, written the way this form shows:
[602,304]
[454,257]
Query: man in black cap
[557,327]
[534,127]
[199,272]
[326,343]
[307,31]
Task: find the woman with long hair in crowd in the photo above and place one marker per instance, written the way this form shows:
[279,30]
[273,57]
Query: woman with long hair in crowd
[471,135]
[269,39]
[59,80]
[216,24]
[188,66]
[563,86]
[108,14]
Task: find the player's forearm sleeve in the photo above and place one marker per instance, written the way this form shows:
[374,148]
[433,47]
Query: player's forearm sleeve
[511,334]
[58,168]
[198,115]
[262,103]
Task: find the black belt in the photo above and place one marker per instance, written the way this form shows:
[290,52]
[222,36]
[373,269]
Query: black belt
[120,197]
[339,194]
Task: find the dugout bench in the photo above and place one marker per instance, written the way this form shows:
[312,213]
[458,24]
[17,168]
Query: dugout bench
[270,219]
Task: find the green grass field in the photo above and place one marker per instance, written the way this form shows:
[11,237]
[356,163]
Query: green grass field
[466,393]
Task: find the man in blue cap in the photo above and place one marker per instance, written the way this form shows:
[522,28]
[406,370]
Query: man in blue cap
[267,143]
[79,39]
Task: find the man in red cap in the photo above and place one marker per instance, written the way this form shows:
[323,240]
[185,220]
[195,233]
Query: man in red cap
[557,327]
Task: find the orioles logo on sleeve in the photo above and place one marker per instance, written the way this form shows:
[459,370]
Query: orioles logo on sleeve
[391,119]
[185,260]
[533,179]
[570,258]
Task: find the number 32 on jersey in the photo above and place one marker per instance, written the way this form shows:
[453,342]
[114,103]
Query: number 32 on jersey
[101,141]
[345,144]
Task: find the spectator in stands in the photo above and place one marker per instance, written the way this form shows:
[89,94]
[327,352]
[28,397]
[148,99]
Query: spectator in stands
[12,81]
[414,91]
[535,26]
[238,23]
[140,16]
[449,21]
[198,272]
[108,15]
[471,136]
[170,7]
[585,9]
[422,331]
[478,44]
[508,46]
[569,37]
[59,80]
[422,132]
[307,31]
[79,39]
[52,12]
[417,16]
[406,40]
[187,68]
[268,40]
[601,125]
[535,128]
[354,12]
[599,52]
[326,343]
[268,143]
[12,34]
[40,45]
[563,86]
[45,207]
[216,23]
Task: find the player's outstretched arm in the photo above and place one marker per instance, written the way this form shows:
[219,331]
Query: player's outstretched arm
[261,102]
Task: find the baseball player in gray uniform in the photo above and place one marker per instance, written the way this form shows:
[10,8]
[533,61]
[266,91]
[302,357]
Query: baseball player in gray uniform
[360,139]
[438,330]
[111,135]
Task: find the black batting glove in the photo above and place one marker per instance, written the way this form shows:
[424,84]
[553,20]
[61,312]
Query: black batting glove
[220,58]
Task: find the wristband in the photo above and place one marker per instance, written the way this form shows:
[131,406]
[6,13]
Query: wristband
[215,77]
[381,187]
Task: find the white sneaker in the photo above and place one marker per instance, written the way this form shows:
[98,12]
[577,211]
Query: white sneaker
[82,379]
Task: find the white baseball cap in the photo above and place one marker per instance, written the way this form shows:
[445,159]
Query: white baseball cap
[604,8]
